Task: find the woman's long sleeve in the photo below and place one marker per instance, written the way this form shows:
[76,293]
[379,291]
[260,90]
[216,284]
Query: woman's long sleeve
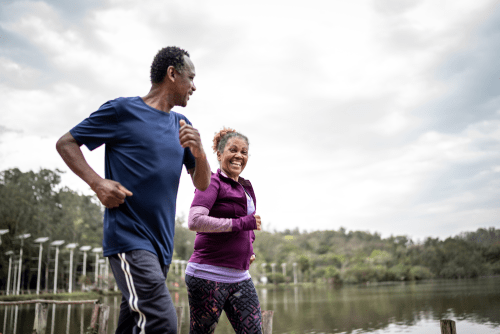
[200,221]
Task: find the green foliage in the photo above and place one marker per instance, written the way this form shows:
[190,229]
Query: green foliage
[183,240]
[362,273]
[304,263]
[399,272]
[380,257]
[359,257]
[420,273]
[277,279]
[91,330]
[83,279]
[330,259]
[332,274]
[34,203]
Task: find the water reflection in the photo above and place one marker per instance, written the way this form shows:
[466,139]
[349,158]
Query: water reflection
[412,308]
[5,318]
[263,298]
[53,319]
[296,298]
[82,308]
[275,301]
[67,319]
[116,311]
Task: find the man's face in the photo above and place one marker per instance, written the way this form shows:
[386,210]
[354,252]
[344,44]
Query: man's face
[184,83]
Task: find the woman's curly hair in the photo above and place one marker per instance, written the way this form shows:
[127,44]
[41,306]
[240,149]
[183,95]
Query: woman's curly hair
[221,138]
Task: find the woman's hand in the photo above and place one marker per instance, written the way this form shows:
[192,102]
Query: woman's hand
[259,224]
[252,258]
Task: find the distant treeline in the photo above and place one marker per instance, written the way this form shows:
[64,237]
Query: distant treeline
[358,257]
[35,203]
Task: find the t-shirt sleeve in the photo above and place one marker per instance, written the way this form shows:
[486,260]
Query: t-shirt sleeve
[208,197]
[189,160]
[97,129]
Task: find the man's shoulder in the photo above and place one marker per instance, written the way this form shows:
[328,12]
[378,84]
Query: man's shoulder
[180,116]
[118,103]
[121,101]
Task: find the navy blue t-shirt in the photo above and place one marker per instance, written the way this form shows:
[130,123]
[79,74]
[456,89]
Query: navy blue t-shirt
[144,154]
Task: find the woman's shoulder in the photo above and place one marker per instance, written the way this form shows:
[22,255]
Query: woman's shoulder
[215,177]
[244,182]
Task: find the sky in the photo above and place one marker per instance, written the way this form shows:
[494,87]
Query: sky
[380,116]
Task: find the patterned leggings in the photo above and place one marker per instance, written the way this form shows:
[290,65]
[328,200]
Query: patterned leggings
[207,299]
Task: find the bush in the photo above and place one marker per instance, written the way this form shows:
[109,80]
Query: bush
[419,273]
[495,268]
[361,273]
[332,274]
[398,272]
[277,279]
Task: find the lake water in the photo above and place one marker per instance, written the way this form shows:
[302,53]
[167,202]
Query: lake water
[414,308]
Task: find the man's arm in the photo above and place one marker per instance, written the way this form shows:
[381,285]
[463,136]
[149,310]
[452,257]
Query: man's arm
[190,137]
[110,193]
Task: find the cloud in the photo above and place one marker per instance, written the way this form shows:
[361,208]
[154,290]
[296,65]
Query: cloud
[4,130]
[473,79]
[375,115]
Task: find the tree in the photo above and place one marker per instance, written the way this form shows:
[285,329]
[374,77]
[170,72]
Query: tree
[32,203]
[183,240]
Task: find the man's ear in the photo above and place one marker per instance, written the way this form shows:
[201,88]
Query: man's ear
[171,73]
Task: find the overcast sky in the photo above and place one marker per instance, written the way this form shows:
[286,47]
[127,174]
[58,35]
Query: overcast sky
[380,116]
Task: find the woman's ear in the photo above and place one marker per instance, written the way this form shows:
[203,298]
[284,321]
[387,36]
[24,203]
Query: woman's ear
[218,156]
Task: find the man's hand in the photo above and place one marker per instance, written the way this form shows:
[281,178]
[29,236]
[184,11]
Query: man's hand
[252,258]
[190,137]
[111,193]
[259,222]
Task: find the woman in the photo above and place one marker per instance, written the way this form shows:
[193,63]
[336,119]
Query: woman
[224,216]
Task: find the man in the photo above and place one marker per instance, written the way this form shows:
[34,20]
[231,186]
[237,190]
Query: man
[146,146]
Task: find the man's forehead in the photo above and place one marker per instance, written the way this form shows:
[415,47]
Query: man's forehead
[189,66]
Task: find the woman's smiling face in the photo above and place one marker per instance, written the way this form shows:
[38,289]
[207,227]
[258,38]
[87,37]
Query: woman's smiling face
[234,158]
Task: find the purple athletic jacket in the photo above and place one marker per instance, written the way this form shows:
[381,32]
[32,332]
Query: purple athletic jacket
[225,198]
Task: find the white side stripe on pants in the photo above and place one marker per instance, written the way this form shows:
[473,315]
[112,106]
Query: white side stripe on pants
[133,294]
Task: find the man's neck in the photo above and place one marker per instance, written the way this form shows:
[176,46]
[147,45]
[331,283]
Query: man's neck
[158,98]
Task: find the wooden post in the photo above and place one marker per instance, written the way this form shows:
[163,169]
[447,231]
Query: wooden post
[95,314]
[103,319]
[40,324]
[448,327]
[267,322]
[180,313]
